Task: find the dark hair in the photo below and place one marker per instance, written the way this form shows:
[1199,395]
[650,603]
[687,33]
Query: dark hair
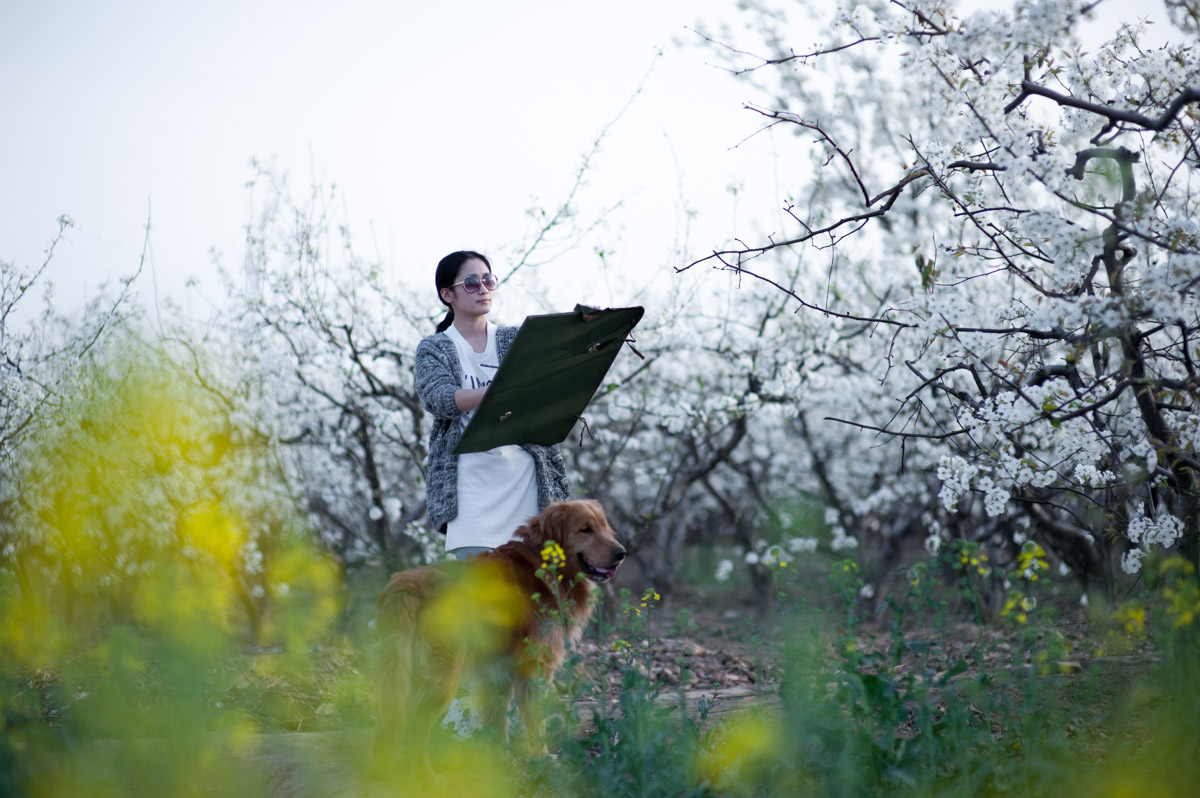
[447,274]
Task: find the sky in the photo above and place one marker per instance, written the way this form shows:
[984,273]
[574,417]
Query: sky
[441,124]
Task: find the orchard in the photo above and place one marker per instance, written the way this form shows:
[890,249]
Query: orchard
[922,450]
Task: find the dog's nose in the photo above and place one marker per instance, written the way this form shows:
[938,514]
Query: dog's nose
[619,553]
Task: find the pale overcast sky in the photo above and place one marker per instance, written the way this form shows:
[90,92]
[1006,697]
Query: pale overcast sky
[440,122]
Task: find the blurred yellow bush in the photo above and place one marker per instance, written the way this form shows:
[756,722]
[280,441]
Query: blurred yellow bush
[150,541]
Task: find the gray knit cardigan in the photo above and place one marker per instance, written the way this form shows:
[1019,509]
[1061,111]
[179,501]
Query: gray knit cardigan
[438,375]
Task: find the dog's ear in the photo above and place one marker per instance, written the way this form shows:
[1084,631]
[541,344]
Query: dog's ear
[559,521]
[549,525]
[533,530]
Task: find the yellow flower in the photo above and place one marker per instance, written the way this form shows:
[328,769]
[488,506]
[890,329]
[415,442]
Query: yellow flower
[739,747]
[553,555]
[1031,560]
[1176,563]
[1019,605]
[1134,620]
[1183,605]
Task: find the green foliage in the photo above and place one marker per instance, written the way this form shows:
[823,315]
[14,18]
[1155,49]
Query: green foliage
[620,740]
[148,552]
[905,718]
[904,700]
[921,711]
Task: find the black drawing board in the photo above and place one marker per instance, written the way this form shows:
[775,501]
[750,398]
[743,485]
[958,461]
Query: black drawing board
[552,370]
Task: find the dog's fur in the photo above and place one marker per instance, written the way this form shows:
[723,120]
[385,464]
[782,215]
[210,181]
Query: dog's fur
[506,616]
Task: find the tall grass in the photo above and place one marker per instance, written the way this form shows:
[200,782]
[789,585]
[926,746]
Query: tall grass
[916,705]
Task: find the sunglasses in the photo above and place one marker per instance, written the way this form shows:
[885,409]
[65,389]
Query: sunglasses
[473,282]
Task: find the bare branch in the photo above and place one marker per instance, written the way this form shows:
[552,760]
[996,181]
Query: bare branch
[926,436]
[1113,115]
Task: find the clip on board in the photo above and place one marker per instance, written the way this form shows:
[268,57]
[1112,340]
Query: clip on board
[551,371]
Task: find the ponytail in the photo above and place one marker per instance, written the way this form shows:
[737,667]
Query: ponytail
[446,322]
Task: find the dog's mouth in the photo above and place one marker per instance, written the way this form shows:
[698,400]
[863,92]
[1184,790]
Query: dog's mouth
[597,574]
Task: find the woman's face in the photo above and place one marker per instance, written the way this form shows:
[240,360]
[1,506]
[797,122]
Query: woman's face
[466,304]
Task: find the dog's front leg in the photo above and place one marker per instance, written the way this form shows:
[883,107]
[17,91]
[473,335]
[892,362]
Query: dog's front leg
[495,695]
[402,736]
[533,737]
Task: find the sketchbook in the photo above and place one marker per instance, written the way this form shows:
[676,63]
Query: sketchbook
[552,370]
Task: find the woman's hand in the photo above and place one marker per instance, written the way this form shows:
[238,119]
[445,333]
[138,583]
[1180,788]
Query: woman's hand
[467,399]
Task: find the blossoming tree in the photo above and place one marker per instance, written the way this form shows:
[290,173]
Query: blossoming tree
[993,261]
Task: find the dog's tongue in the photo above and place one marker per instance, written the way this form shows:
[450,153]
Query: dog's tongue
[607,573]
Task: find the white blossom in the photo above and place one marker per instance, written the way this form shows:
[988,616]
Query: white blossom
[842,541]
[1131,561]
[724,570]
[799,545]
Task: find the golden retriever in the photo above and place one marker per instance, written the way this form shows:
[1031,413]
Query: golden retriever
[506,616]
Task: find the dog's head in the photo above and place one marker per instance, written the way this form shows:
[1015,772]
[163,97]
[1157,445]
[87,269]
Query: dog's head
[588,543]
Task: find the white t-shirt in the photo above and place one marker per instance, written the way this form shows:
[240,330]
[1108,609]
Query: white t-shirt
[497,489]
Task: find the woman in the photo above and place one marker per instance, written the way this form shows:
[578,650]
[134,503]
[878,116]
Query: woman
[478,499]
